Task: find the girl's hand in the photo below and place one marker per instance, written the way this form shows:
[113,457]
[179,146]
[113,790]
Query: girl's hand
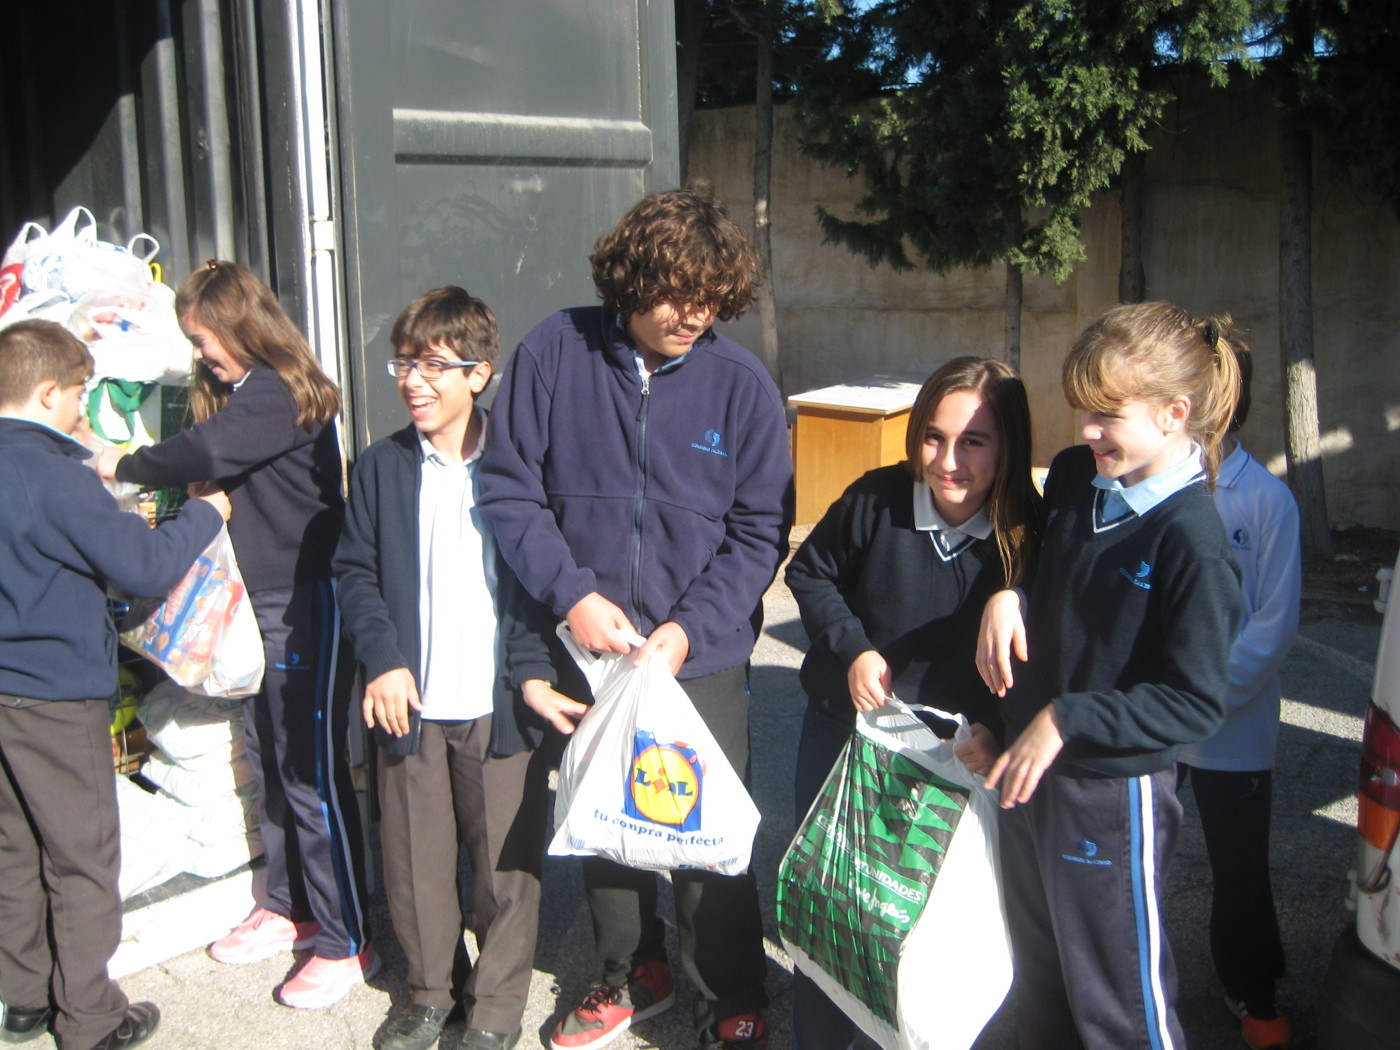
[600,626]
[107,461]
[388,698]
[978,753]
[551,705]
[1002,635]
[1023,764]
[869,680]
[669,642]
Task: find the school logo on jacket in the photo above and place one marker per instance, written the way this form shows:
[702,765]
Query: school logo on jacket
[711,444]
[665,783]
[1141,577]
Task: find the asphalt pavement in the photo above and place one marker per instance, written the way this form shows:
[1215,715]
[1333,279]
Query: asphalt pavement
[1326,685]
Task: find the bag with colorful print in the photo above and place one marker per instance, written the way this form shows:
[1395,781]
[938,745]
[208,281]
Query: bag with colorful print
[889,897]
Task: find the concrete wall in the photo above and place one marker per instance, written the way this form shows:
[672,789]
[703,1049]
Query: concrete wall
[1211,245]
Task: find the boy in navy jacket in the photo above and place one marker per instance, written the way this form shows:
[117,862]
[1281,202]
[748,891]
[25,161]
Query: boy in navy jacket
[62,541]
[429,606]
[638,479]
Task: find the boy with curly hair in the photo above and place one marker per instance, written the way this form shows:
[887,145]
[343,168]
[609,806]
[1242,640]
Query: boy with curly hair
[638,478]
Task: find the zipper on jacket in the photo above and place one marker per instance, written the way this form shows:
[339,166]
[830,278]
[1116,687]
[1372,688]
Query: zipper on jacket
[638,508]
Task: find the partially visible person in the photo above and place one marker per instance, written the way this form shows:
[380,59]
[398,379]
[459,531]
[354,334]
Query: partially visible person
[1231,772]
[891,584]
[265,430]
[63,541]
[638,479]
[432,610]
[1127,635]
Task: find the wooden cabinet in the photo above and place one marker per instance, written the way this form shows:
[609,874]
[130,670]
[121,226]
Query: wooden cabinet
[843,431]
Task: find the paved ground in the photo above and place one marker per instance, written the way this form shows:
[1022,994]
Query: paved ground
[1327,682]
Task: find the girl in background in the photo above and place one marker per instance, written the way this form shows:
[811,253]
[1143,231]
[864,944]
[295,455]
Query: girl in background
[1129,624]
[265,432]
[892,581]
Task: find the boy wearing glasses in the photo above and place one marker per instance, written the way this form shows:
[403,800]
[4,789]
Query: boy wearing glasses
[428,607]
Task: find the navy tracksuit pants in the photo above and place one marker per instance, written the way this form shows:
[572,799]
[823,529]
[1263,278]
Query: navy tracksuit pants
[296,726]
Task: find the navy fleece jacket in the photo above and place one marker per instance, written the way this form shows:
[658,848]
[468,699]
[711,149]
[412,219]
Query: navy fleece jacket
[670,497]
[62,541]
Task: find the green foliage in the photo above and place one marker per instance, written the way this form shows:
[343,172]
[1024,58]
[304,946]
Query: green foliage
[981,128]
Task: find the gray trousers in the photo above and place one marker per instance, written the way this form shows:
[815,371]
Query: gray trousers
[454,792]
[60,909]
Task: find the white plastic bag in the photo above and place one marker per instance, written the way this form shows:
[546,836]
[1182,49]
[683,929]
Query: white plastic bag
[204,634]
[889,897]
[642,781]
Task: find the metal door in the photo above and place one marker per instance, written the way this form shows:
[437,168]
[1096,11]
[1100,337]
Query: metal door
[488,144]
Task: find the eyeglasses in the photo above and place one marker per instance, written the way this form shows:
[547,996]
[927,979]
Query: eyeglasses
[429,368]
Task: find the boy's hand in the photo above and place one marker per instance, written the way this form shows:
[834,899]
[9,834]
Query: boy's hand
[869,680]
[979,752]
[553,706]
[600,626]
[107,461]
[669,642]
[1023,764]
[214,496]
[388,698]
[1002,635]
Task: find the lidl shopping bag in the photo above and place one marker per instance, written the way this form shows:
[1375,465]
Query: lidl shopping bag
[642,781]
[888,897]
[204,635]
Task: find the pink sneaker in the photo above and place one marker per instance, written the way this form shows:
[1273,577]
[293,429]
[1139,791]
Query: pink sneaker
[261,936]
[322,982]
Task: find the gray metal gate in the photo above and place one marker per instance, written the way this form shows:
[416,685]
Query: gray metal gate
[487,144]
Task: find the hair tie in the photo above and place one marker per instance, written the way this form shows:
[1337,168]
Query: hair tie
[213,264]
[1211,334]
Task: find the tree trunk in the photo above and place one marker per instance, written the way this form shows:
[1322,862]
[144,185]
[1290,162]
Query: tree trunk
[690,34]
[762,188]
[1015,281]
[1302,439]
[1132,280]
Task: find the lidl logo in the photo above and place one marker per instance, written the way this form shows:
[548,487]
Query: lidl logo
[665,783]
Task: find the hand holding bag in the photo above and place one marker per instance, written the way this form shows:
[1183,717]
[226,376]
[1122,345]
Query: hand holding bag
[642,781]
[889,896]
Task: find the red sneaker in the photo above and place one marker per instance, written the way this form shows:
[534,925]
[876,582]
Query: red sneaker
[1262,1029]
[261,936]
[608,1011]
[322,982]
[744,1032]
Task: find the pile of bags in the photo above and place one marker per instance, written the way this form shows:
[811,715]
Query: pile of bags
[203,818]
[111,297]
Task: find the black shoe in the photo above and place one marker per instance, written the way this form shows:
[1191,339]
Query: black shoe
[417,1028]
[20,1026]
[140,1021]
[479,1039]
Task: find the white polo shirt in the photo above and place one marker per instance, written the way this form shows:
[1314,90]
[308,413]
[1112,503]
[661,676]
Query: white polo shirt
[455,606]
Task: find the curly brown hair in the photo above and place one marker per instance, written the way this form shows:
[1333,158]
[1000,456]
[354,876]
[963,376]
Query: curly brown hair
[678,247]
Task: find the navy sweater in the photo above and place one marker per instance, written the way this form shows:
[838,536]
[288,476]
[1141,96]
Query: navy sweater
[377,570]
[62,542]
[669,497]
[284,481]
[1129,626]
[867,579]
